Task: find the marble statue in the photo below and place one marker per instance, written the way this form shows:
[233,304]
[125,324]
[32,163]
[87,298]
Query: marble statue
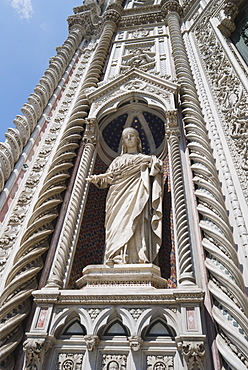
[133,220]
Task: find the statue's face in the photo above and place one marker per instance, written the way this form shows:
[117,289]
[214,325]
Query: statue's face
[113,366]
[130,139]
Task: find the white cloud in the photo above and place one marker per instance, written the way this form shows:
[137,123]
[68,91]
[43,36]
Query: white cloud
[23,7]
[44,27]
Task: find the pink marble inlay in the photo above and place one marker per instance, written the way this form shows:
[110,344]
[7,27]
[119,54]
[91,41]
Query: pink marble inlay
[42,317]
[190,312]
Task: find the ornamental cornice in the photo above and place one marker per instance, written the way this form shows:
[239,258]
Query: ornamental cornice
[96,296]
[141,10]
[140,19]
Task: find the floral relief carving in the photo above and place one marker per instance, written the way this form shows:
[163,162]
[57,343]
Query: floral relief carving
[35,351]
[231,96]
[69,361]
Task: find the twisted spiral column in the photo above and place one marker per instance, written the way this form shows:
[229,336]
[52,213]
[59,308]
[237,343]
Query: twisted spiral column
[32,111]
[74,213]
[226,282]
[21,281]
[186,276]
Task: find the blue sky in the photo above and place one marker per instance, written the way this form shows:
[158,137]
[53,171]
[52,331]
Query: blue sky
[30,32]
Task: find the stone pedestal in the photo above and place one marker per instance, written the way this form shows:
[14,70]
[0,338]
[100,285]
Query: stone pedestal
[122,276]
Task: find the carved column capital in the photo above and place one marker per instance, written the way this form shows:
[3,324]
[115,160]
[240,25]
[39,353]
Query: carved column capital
[91,342]
[193,354]
[227,15]
[172,128]
[135,342]
[168,6]
[113,12]
[90,131]
[35,350]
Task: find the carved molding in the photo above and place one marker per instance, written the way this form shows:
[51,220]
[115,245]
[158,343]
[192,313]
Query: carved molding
[231,96]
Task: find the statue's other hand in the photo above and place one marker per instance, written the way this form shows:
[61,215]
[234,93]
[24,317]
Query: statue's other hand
[146,162]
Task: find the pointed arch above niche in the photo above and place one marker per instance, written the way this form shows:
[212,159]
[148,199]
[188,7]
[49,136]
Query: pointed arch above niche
[135,99]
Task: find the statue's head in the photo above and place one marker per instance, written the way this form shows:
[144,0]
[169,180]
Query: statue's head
[132,131]
[113,365]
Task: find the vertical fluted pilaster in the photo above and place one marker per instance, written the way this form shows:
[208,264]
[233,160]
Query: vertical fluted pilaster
[186,276]
[225,279]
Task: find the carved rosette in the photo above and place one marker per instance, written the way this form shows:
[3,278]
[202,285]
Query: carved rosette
[193,354]
[69,361]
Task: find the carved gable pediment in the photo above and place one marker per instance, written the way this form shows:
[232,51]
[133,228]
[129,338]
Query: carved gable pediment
[157,91]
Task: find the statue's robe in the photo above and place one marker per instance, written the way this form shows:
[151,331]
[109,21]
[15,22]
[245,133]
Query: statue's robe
[133,208]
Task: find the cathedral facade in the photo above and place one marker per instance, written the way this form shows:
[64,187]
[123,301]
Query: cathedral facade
[176,72]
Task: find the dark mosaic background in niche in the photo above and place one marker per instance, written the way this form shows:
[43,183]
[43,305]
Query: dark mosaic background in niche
[90,247]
